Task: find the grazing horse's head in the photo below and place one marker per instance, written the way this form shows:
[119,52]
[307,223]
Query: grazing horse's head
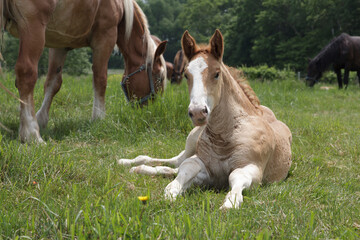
[204,76]
[179,64]
[145,68]
[313,73]
[176,77]
[141,83]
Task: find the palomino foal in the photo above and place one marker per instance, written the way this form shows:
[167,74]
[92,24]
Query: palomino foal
[236,141]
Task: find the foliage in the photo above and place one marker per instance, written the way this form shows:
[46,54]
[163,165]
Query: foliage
[72,188]
[330,77]
[163,17]
[278,33]
[77,60]
[266,73]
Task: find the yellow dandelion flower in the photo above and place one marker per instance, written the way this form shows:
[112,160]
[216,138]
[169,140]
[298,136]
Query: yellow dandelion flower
[143,199]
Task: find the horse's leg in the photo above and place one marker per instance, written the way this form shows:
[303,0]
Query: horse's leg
[102,44]
[191,171]
[240,179]
[32,41]
[358,75]
[338,74]
[346,77]
[52,84]
[190,148]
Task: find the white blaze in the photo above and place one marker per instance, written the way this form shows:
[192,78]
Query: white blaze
[198,95]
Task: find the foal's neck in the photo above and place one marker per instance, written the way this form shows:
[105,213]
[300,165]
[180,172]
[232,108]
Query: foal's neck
[234,106]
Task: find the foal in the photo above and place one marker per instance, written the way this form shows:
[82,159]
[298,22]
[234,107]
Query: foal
[236,141]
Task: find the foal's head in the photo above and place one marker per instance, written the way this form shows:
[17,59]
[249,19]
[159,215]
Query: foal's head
[204,75]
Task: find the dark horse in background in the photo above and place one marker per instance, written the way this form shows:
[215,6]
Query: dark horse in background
[179,67]
[63,25]
[342,52]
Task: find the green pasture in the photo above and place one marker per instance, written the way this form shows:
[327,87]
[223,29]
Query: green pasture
[72,187]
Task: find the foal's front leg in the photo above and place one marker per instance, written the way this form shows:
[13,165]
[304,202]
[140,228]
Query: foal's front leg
[240,179]
[190,149]
[191,171]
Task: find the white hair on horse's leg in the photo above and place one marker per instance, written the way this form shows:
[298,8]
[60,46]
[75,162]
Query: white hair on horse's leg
[116,49]
[129,17]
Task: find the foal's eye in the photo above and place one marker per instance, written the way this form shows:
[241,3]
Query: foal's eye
[217,75]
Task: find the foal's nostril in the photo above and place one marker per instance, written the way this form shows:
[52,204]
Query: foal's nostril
[205,110]
[190,114]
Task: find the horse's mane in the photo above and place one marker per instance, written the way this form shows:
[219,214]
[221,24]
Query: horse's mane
[329,53]
[129,17]
[239,77]
[148,40]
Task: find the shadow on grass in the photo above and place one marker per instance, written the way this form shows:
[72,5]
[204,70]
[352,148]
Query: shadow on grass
[58,132]
[14,130]
[62,129]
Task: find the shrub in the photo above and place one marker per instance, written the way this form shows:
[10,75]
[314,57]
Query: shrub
[77,60]
[266,73]
[331,78]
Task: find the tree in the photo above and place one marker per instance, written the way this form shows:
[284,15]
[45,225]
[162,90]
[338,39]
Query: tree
[163,18]
[77,60]
[241,32]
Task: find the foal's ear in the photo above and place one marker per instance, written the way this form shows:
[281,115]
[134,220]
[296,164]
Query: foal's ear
[217,45]
[160,50]
[188,44]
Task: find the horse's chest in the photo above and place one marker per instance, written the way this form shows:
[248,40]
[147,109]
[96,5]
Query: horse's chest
[216,152]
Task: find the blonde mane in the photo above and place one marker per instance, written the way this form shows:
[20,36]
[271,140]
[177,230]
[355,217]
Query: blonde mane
[129,17]
[151,45]
[239,77]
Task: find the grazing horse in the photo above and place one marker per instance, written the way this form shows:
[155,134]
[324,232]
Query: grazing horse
[169,65]
[236,142]
[342,52]
[63,25]
[179,66]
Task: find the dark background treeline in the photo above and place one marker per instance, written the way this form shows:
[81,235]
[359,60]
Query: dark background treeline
[279,33]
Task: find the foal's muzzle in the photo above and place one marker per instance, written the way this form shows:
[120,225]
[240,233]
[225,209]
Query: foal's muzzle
[198,114]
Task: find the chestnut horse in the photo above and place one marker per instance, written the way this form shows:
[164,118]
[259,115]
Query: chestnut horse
[63,25]
[343,52]
[179,66]
[169,65]
[236,142]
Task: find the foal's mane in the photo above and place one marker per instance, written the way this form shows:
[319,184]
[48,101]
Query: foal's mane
[239,77]
[329,53]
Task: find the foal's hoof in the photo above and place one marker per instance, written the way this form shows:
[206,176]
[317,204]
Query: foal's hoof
[172,190]
[232,201]
[126,162]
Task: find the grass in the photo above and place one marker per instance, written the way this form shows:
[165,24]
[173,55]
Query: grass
[72,188]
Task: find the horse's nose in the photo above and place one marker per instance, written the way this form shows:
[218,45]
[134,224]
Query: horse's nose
[198,114]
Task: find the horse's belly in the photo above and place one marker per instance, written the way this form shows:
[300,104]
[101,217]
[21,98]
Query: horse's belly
[71,23]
